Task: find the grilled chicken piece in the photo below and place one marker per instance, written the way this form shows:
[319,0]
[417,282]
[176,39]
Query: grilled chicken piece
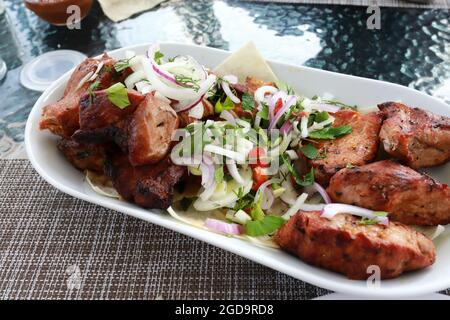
[345,246]
[101,121]
[61,118]
[150,132]
[408,196]
[417,137]
[82,156]
[357,148]
[149,186]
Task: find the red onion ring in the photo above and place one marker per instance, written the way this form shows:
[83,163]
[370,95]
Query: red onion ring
[223,227]
[289,103]
[286,127]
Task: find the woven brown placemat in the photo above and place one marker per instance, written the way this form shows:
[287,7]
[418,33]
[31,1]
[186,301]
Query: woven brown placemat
[422,4]
[51,244]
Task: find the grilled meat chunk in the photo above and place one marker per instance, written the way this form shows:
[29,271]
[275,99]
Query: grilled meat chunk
[417,137]
[345,246]
[61,118]
[357,148]
[149,186]
[82,156]
[408,196]
[150,131]
[101,121]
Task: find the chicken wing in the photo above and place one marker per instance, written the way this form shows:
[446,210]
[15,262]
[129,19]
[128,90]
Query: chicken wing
[417,137]
[344,245]
[357,148]
[408,196]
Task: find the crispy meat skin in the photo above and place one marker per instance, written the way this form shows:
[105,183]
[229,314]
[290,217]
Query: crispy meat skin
[408,196]
[149,186]
[357,148]
[61,118]
[417,137]
[101,121]
[343,245]
[150,131]
[82,156]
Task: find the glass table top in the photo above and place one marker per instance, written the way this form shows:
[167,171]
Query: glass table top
[412,48]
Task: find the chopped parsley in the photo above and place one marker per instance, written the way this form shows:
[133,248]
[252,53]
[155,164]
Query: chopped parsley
[367,221]
[285,87]
[349,166]
[118,95]
[330,133]
[264,112]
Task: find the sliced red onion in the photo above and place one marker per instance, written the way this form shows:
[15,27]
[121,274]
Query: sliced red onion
[321,106]
[273,102]
[332,209]
[223,227]
[225,114]
[268,197]
[290,101]
[187,106]
[286,127]
[318,188]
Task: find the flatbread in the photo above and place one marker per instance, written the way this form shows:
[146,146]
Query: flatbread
[247,61]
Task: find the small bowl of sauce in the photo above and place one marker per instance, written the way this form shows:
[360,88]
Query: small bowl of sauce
[58,12]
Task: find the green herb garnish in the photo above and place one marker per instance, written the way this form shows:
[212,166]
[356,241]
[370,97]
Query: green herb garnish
[307,180]
[118,95]
[226,105]
[265,226]
[122,64]
[330,133]
[248,103]
[158,56]
[187,81]
[264,112]
[285,87]
[349,166]
[310,151]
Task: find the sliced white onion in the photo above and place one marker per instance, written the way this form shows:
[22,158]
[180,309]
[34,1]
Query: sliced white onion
[225,114]
[225,152]
[223,227]
[99,67]
[325,107]
[232,169]
[230,79]
[161,97]
[289,195]
[321,125]
[296,206]
[261,92]
[290,101]
[197,111]
[292,154]
[332,209]
[84,80]
[180,94]
[133,78]
[315,187]
[304,127]
[279,149]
